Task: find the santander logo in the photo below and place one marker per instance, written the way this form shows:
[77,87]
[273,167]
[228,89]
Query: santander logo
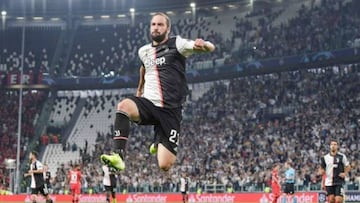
[212,198]
[146,198]
[39,198]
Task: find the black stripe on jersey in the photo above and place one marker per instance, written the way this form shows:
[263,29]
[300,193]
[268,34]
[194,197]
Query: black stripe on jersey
[171,74]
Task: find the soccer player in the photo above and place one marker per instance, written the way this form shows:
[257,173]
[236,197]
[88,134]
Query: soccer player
[37,178]
[289,182]
[275,183]
[47,177]
[184,187]
[161,92]
[109,182]
[74,178]
[336,167]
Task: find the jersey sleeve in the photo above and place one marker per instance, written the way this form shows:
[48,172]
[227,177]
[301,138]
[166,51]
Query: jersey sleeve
[345,161]
[39,165]
[322,163]
[140,56]
[105,170]
[184,46]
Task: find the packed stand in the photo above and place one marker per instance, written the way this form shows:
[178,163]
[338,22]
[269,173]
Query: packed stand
[271,119]
[266,119]
[330,25]
[113,49]
[32,104]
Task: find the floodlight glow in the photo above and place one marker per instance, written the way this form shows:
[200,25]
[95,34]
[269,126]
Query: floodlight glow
[132,10]
[38,18]
[192,5]
[3,13]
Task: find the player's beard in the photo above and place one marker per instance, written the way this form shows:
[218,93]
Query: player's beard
[334,151]
[157,37]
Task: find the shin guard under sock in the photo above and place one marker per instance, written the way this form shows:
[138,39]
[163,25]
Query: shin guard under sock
[121,132]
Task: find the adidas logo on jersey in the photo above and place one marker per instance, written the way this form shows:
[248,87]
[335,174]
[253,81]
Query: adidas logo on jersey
[158,61]
[117,133]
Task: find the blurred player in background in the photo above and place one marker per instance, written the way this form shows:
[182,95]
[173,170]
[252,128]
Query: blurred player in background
[109,182]
[289,182]
[37,178]
[275,183]
[47,177]
[184,187]
[161,92]
[74,178]
[336,167]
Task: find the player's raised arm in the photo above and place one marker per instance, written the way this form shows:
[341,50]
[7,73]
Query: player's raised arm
[201,45]
[140,89]
[188,47]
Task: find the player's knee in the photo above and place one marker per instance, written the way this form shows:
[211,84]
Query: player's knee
[123,105]
[331,200]
[129,107]
[165,166]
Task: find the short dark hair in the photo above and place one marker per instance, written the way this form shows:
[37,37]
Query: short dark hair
[334,140]
[34,153]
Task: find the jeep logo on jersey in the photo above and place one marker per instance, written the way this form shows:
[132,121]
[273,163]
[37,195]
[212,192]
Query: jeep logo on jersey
[158,61]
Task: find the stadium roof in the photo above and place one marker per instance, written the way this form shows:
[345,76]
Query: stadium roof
[51,8]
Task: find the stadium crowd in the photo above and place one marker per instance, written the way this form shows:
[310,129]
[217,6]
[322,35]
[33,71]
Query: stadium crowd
[114,47]
[327,26]
[262,120]
[32,103]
